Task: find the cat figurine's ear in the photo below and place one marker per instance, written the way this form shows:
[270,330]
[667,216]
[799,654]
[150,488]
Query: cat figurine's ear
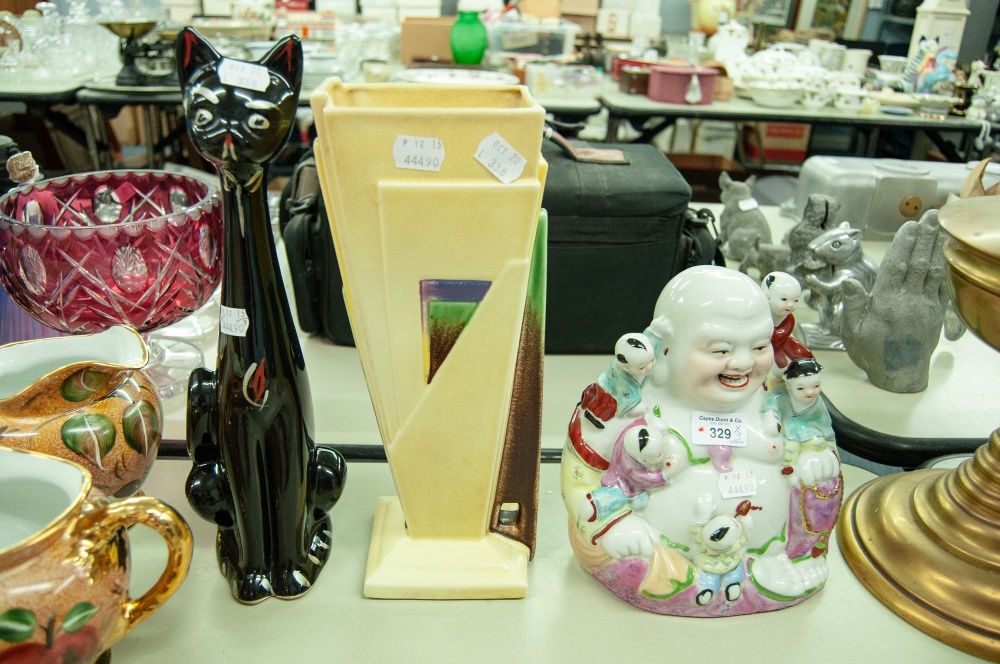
[193,52]
[285,59]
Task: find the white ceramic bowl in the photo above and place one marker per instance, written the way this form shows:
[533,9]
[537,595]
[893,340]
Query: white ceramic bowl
[892,64]
[775,97]
[935,106]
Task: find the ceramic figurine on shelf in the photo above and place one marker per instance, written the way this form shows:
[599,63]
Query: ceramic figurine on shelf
[796,404]
[759,258]
[891,329]
[679,529]
[805,425]
[741,212]
[840,252]
[783,292]
[719,544]
[257,472]
[640,460]
[623,380]
[817,217]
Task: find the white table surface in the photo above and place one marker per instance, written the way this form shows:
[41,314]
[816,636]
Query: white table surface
[744,109]
[960,401]
[567,615]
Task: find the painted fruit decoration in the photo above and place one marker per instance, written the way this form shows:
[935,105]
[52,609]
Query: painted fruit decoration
[69,640]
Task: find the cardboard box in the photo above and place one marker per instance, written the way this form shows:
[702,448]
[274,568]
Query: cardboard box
[579,7]
[588,24]
[782,142]
[426,39]
[539,8]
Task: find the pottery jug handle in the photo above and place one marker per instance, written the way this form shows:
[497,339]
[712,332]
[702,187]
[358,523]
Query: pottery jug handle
[168,524]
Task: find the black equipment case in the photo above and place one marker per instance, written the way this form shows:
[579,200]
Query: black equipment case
[617,233]
[616,236]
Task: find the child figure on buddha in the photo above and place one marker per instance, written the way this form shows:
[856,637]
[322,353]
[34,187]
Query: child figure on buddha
[783,292]
[712,339]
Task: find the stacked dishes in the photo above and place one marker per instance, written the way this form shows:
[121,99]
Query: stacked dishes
[775,94]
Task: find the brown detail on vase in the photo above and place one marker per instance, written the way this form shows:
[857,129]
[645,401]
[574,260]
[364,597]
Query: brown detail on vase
[517,480]
[442,340]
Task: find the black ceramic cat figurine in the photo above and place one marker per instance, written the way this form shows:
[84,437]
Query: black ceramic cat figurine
[257,473]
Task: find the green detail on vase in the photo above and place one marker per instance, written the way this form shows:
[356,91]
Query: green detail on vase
[141,426]
[678,586]
[16,625]
[445,322]
[447,307]
[83,384]
[90,435]
[537,282]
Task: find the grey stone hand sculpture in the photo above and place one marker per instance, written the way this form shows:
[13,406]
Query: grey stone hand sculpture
[892,332]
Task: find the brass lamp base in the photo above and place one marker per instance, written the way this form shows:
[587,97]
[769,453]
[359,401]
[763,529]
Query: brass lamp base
[927,545]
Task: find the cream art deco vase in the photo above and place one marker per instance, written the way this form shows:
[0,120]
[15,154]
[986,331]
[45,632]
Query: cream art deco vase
[434,197]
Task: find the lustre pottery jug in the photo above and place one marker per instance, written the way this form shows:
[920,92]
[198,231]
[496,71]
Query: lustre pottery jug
[64,561]
[83,398]
[692,490]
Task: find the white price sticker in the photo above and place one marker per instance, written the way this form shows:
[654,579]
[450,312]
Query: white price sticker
[500,158]
[738,484]
[244,75]
[748,204]
[719,429]
[233,322]
[418,153]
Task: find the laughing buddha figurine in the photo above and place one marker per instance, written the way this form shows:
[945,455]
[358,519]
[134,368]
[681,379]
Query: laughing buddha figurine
[695,506]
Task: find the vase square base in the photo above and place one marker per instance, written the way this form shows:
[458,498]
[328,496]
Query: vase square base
[401,567]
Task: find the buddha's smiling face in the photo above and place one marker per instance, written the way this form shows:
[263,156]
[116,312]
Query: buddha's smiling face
[719,364]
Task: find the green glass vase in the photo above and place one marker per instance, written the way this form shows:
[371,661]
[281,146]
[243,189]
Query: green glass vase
[468,39]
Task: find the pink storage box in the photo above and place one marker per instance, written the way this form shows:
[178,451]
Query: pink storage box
[669,84]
